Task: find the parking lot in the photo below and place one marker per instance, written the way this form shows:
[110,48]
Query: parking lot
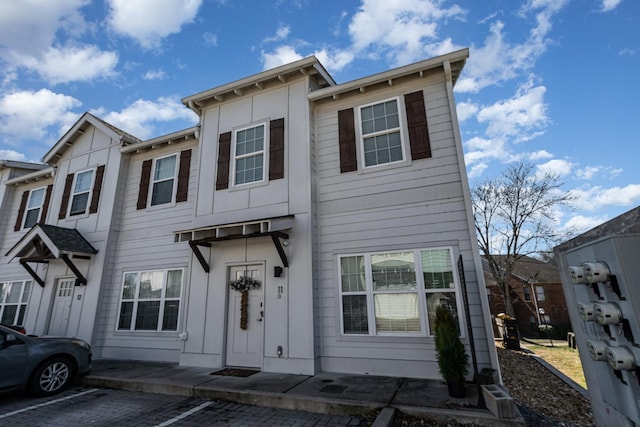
[105,407]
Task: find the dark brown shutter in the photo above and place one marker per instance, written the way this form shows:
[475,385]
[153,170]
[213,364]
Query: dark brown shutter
[276,149]
[45,205]
[183,176]
[347,141]
[65,196]
[97,188]
[143,191]
[23,206]
[417,124]
[224,156]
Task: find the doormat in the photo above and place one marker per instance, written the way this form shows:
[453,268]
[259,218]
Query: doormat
[234,372]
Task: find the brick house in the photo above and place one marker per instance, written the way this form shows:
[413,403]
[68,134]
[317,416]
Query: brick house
[536,293]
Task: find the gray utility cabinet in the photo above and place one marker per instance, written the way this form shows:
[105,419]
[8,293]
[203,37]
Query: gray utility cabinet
[601,282]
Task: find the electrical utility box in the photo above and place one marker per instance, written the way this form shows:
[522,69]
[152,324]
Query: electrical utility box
[601,281]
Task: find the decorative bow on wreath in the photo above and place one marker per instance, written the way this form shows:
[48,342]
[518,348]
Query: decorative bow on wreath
[243,285]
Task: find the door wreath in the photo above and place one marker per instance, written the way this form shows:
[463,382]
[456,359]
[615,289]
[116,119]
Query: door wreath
[243,285]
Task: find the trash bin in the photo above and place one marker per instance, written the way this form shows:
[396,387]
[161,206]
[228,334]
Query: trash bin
[510,335]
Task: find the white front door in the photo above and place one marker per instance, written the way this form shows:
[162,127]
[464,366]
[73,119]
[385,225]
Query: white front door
[61,307]
[245,341]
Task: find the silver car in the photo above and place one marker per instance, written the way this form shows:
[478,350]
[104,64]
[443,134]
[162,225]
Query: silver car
[43,365]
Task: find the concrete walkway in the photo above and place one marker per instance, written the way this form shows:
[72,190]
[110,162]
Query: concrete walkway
[339,394]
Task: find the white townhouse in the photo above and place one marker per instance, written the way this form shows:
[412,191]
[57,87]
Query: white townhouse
[301,226]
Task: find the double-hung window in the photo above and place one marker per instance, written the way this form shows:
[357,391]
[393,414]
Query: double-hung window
[540,296]
[164,176]
[395,293]
[150,300]
[14,297]
[34,207]
[81,191]
[249,155]
[381,135]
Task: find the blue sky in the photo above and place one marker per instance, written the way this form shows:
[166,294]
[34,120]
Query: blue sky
[554,82]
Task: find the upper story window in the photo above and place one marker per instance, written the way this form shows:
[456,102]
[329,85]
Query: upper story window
[527,293]
[381,136]
[81,191]
[164,175]
[34,207]
[249,155]
[540,296]
[395,293]
[14,297]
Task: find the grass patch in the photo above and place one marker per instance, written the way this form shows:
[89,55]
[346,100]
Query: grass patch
[564,359]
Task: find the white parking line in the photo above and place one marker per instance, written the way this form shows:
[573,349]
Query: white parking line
[184,415]
[51,402]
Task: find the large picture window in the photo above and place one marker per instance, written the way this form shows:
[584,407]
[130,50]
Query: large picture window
[34,207]
[150,300]
[249,155]
[81,191]
[395,293]
[164,175]
[14,297]
[381,136]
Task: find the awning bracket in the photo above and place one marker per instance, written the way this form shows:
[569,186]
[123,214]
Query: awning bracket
[80,279]
[196,251]
[32,273]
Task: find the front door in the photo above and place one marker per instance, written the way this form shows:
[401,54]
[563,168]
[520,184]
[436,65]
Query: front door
[245,336]
[61,307]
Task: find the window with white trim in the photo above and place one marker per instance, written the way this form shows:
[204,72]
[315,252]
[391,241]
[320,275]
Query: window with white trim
[164,176]
[82,184]
[540,296]
[381,136]
[14,297]
[249,151]
[34,207]
[150,300]
[396,293]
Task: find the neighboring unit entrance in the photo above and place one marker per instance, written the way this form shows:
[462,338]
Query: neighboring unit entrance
[61,307]
[245,346]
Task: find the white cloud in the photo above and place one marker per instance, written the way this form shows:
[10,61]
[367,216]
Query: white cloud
[466,110]
[139,118]
[282,55]
[477,170]
[150,21]
[67,64]
[12,155]
[401,30]
[154,75]
[595,198]
[539,155]
[210,39]
[557,167]
[336,60]
[609,5]
[581,223]
[29,115]
[281,34]
[522,117]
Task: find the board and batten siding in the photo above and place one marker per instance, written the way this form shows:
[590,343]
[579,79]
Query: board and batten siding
[418,204]
[145,243]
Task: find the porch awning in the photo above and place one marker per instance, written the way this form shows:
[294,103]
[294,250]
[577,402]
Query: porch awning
[275,228]
[46,242]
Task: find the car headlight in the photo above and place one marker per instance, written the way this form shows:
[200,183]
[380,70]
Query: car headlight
[81,343]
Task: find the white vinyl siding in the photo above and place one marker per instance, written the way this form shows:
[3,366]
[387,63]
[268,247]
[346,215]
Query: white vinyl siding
[34,207]
[395,293]
[82,184]
[14,297]
[150,300]
[164,177]
[249,150]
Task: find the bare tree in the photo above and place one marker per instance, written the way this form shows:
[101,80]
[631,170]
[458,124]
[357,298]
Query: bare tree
[514,217]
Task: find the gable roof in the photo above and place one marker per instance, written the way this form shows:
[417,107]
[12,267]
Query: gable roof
[530,270]
[58,241]
[83,123]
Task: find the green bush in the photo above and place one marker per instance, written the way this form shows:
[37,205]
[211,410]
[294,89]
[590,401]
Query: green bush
[452,357]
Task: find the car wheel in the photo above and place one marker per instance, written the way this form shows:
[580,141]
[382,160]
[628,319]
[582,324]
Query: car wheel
[51,377]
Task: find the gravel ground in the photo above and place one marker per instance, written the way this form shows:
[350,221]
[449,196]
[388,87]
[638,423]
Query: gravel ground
[542,398]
